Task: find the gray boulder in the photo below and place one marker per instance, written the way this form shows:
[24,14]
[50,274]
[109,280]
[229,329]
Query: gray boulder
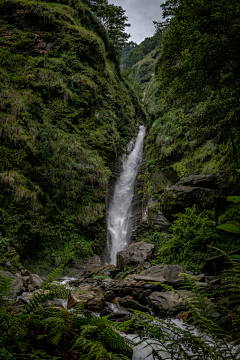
[203,181]
[136,253]
[109,296]
[165,274]
[168,301]
[156,217]
[100,270]
[93,297]
[35,280]
[78,269]
[116,310]
[130,303]
[198,190]
[17,286]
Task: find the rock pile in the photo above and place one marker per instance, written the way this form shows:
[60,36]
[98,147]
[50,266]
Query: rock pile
[106,289]
[23,281]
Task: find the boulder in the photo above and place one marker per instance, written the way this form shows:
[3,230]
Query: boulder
[200,277]
[128,302]
[216,264]
[216,282]
[136,253]
[17,286]
[95,304]
[116,301]
[117,310]
[35,280]
[135,292]
[198,190]
[7,264]
[109,295]
[93,297]
[156,217]
[30,287]
[165,274]
[130,279]
[168,301]
[24,272]
[25,279]
[78,269]
[143,297]
[205,181]
[100,270]
[30,295]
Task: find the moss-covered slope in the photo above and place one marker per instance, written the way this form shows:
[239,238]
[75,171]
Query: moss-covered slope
[65,116]
[173,147]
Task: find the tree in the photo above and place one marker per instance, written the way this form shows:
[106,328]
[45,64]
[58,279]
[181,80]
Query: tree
[201,60]
[114,20]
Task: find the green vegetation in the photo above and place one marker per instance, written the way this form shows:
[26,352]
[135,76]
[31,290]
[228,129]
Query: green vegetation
[189,75]
[39,330]
[66,114]
[194,124]
[191,238]
[114,20]
[207,315]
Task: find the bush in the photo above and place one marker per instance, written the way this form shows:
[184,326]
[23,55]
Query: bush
[192,234]
[74,250]
[157,238]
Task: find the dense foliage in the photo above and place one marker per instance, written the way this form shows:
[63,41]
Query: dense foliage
[195,124]
[40,330]
[138,52]
[191,239]
[114,20]
[66,114]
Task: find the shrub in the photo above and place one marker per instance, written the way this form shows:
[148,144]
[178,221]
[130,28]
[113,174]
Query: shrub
[157,238]
[192,234]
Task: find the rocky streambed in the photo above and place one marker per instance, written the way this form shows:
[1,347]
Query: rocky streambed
[119,290]
[131,285]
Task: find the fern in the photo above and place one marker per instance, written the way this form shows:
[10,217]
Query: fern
[48,291]
[210,341]
[53,276]
[5,286]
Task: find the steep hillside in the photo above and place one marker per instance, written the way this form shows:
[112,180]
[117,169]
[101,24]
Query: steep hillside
[175,146]
[191,97]
[66,114]
[140,61]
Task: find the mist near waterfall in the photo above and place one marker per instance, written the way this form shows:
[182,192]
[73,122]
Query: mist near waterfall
[120,208]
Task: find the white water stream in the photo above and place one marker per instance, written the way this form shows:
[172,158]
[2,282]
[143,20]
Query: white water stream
[120,207]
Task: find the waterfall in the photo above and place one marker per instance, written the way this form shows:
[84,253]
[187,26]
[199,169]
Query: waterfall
[120,207]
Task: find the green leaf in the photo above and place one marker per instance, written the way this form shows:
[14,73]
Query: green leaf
[230,228]
[234,223]
[235,199]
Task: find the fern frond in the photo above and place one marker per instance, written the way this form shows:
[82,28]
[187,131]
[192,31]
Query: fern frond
[53,276]
[5,286]
[79,308]
[41,297]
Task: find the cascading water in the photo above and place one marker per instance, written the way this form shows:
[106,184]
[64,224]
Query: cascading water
[120,207]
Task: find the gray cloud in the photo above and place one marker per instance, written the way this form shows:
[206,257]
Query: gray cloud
[141,14]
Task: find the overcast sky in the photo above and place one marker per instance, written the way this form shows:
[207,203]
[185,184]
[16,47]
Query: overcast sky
[141,14]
